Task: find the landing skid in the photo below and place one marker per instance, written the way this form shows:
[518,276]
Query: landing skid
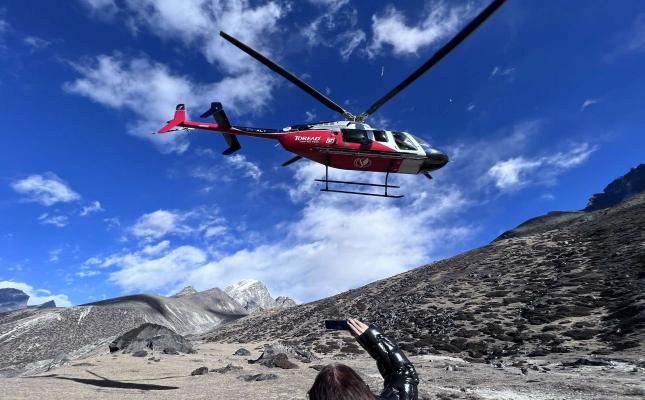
[327,181]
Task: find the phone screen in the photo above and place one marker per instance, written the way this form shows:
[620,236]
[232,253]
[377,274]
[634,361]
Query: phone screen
[338,325]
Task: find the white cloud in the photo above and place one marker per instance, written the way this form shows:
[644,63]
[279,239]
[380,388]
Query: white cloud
[37,296]
[112,222]
[102,8]
[196,23]
[512,173]
[158,248]
[249,168]
[58,221]
[517,172]
[94,207]
[47,189]
[587,103]
[215,230]
[36,43]
[349,41]
[54,255]
[224,169]
[509,73]
[391,29]
[142,273]
[151,91]
[335,27]
[631,40]
[160,223]
[88,273]
[92,261]
[334,244]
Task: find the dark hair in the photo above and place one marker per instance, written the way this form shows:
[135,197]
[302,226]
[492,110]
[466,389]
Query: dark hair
[339,382]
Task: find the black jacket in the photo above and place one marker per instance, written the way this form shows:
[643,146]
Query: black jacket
[400,377]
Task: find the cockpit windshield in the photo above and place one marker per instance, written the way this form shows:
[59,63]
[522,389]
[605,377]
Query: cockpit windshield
[422,142]
[403,141]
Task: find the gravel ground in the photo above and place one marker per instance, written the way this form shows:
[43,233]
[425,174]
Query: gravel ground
[107,376]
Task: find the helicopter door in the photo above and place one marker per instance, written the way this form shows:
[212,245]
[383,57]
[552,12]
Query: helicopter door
[405,144]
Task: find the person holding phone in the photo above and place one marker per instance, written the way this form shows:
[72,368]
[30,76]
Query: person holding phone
[340,382]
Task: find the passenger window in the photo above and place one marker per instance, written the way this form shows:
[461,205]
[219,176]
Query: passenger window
[355,136]
[403,141]
[380,136]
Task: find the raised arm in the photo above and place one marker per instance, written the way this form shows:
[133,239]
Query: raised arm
[400,377]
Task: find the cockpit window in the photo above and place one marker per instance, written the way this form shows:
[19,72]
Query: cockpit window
[355,136]
[380,136]
[403,141]
[422,142]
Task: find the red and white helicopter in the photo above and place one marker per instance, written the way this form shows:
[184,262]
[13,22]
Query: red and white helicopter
[349,144]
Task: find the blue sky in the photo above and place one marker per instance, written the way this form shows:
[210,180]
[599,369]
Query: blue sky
[538,109]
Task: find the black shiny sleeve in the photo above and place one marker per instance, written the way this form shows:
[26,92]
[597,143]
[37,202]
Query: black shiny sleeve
[400,377]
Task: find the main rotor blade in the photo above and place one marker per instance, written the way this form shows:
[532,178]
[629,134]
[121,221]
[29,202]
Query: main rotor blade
[438,56]
[285,74]
[291,161]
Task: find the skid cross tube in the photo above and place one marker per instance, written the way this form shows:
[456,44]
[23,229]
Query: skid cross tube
[327,181]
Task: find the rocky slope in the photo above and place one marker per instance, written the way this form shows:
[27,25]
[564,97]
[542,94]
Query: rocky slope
[563,283]
[254,296]
[33,339]
[620,189]
[12,299]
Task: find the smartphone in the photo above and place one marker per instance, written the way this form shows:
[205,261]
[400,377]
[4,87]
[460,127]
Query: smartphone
[338,325]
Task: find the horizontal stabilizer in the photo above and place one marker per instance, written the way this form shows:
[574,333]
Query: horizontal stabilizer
[233,144]
[217,111]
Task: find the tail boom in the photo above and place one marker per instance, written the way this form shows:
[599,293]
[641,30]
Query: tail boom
[179,120]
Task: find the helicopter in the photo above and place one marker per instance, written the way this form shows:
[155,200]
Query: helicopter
[350,144]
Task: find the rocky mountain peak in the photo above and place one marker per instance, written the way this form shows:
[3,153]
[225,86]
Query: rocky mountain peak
[619,189]
[187,291]
[48,304]
[12,299]
[254,296]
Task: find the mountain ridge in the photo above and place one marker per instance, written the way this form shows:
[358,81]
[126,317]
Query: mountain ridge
[254,296]
[33,339]
[565,282]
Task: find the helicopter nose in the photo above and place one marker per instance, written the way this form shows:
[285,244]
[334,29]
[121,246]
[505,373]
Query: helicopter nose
[434,160]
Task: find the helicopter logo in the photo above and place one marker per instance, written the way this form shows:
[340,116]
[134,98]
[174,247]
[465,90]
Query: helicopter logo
[362,162]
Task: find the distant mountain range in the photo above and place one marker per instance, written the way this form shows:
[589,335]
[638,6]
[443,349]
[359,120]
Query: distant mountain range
[254,296]
[32,338]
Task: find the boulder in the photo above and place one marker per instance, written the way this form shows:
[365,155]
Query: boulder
[151,337]
[277,356]
[200,371]
[228,368]
[242,352]
[258,377]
